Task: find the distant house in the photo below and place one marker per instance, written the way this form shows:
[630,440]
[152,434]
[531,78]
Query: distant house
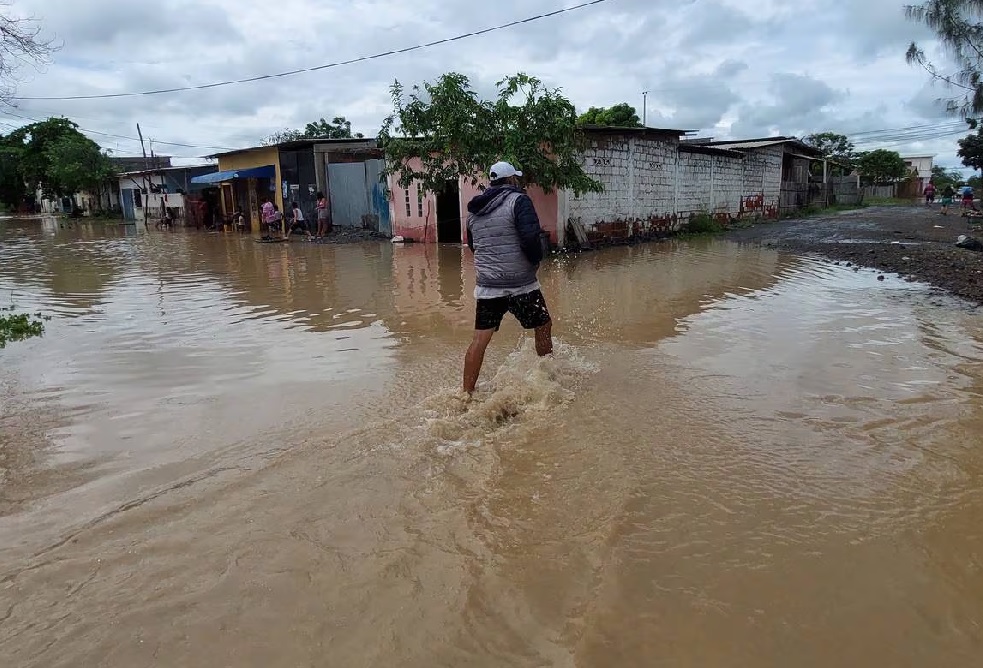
[157,188]
[920,167]
[348,170]
[106,198]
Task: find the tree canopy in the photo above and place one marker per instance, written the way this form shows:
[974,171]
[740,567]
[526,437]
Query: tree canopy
[943,177]
[620,115]
[51,155]
[971,149]
[443,130]
[881,165]
[958,28]
[339,128]
[833,146]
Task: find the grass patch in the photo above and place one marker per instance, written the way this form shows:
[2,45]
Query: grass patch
[702,224]
[19,326]
[888,201]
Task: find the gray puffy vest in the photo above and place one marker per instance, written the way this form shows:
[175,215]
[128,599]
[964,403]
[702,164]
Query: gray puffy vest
[498,258]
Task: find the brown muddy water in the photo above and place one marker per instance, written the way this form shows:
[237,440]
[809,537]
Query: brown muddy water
[225,453]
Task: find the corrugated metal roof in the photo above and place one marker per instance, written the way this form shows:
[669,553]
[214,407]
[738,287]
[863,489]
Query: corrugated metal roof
[613,129]
[763,143]
[709,150]
[804,149]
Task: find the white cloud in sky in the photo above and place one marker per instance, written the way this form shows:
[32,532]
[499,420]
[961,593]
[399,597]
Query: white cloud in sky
[729,68]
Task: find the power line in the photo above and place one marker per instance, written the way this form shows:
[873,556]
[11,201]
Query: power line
[352,61]
[115,136]
[911,127]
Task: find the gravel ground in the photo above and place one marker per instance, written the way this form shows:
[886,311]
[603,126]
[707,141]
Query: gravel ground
[915,242]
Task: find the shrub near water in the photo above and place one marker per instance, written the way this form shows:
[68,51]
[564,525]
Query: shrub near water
[703,224]
[18,326]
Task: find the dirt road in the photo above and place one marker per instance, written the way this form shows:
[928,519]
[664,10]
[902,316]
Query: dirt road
[914,242]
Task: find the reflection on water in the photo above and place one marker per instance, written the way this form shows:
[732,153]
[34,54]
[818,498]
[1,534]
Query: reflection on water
[230,453]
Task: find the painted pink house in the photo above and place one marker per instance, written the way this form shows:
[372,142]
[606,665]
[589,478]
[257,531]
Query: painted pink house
[442,217]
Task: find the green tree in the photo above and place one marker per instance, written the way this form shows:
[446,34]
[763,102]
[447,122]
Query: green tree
[881,165]
[454,133]
[835,147]
[76,163]
[13,189]
[943,177]
[620,115]
[339,128]
[51,155]
[957,27]
[971,149]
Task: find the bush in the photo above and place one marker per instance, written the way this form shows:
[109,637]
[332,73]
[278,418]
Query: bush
[702,223]
[18,326]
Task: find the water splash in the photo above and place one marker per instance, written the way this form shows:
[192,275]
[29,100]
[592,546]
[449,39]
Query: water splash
[522,389]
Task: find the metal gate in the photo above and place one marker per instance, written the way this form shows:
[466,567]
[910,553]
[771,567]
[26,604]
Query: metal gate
[358,197]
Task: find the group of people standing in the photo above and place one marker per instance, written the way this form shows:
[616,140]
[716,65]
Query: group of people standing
[273,219]
[963,191]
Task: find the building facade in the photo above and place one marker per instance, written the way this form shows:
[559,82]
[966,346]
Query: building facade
[347,170]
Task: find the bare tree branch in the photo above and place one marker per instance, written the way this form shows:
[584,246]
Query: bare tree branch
[22,43]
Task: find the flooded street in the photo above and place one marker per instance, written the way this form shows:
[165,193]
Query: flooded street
[225,453]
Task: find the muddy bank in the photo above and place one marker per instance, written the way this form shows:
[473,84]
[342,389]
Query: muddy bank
[914,242]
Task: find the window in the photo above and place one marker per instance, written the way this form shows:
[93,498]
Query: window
[419,201]
[409,212]
[137,198]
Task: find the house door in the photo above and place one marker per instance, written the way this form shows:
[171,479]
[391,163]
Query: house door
[449,214]
[347,193]
[378,197]
[128,212]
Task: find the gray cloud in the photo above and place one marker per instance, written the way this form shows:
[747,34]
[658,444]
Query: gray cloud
[710,65]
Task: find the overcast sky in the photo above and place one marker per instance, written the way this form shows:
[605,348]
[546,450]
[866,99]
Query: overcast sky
[728,68]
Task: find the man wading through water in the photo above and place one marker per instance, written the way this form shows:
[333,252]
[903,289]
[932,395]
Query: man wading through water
[506,239]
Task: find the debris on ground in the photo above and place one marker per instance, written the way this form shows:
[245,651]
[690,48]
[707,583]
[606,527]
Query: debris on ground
[969,243]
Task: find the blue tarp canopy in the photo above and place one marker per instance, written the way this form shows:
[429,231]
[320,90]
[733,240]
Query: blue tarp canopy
[265,172]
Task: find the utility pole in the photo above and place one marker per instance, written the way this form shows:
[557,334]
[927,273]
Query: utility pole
[146,184]
[645,96]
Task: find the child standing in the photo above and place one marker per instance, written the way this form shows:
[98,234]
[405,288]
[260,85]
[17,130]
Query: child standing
[947,196]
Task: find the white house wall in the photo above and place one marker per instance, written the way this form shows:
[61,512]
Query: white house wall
[638,177]
[648,179]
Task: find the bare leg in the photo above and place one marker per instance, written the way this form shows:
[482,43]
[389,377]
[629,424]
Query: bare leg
[475,357]
[544,339]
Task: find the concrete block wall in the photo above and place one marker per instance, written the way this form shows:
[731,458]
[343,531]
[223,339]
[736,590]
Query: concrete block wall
[694,175]
[763,173]
[609,162]
[653,162]
[652,186]
[728,185]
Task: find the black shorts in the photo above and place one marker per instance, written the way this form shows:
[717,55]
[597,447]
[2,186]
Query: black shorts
[528,308]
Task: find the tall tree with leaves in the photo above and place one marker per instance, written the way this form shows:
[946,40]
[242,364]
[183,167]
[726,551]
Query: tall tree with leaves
[620,115]
[53,156]
[971,149]
[958,27]
[943,177]
[444,130]
[339,128]
[835,147]
[881,165]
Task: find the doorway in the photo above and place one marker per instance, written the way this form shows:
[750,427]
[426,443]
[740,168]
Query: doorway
[449,214]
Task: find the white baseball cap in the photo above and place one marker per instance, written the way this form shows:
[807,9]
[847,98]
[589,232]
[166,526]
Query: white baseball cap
[502,170]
